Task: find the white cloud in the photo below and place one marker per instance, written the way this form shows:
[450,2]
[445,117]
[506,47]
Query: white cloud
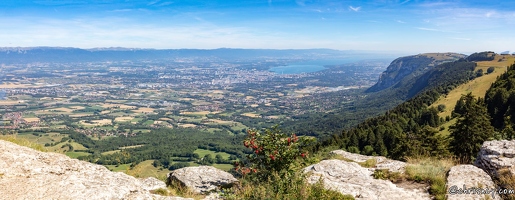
[490,14]
[119,32]
[400,21]
[427,29]
[355,9]
[153,2]
[458,38]
[406,1]
[436,30]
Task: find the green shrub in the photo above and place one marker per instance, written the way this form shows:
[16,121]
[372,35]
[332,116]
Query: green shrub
[273,152]
[274,169]
[490,70]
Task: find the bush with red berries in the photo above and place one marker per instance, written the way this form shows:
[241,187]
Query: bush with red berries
[273,151]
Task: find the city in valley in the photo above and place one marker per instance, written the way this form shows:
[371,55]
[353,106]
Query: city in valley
[125,98]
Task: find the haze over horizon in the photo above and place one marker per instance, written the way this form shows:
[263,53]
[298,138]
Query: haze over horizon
[382,25]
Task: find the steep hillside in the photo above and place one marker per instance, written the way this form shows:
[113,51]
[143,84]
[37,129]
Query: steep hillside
[410,128]
[478,87]
[411,66]
[424,79]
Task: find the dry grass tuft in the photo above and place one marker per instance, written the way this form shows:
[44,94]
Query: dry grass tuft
[432,171]
[506,181]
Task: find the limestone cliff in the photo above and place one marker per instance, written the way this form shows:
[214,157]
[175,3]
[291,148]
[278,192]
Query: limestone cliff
[411,66]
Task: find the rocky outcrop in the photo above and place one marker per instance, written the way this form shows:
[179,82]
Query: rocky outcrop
[381,162]
[351,178]
[202,179]
[469,182]
[29,174]
[496,155]
[152,183]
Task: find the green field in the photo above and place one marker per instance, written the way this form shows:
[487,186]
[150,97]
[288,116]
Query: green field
[76,154]
[119,168]
[225,167]
[148,122]
[203,152]
[146,169]
[110,152]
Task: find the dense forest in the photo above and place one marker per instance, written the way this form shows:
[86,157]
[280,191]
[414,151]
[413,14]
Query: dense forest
[500,102]
[165,145]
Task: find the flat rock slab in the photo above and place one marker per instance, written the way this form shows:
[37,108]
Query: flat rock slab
[381,162]
[350,178]
[470,179]
[202,179]
[29,174]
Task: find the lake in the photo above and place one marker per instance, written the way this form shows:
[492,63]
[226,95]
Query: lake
[308,66]
[297,69]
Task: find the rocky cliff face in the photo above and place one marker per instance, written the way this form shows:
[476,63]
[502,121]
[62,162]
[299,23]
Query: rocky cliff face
[29,174]
[411,66]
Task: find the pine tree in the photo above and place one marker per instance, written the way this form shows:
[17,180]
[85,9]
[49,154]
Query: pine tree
[471,129]
[433,144]
[459,108]
[508,132]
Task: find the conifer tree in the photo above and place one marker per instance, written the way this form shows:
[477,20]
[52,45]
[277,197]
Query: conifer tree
[471,129]
[508,132]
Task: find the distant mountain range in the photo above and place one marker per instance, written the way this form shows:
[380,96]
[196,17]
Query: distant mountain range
[64,54]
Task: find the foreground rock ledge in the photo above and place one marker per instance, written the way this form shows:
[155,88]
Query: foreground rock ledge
[497,155]
[381,161]
[29,174]
[351,178]
[469,177]
[202,179]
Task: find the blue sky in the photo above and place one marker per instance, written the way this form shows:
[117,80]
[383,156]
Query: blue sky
[413,26]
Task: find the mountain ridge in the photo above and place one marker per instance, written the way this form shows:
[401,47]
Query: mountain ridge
[70,54]
[411,66]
